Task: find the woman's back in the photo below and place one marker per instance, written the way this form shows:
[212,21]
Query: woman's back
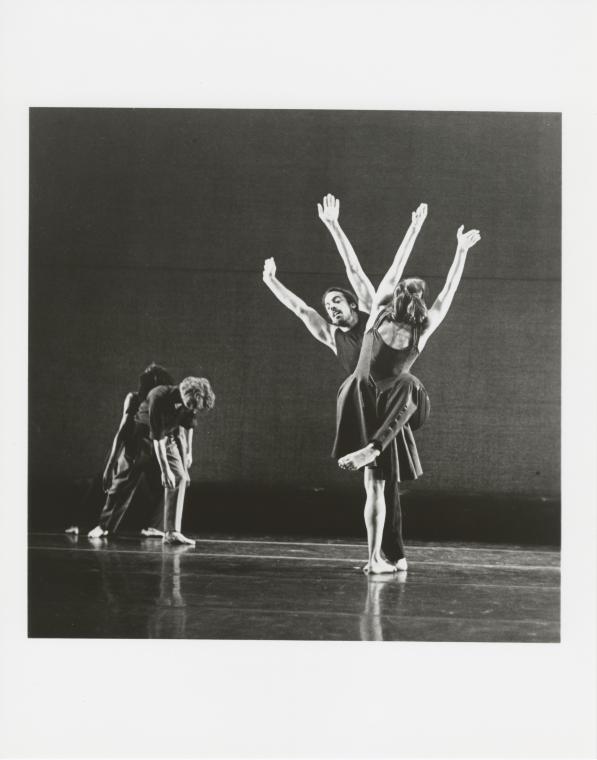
[379,359]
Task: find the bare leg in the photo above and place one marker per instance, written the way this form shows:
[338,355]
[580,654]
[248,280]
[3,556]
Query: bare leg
[173,506]
[375,515]
[180,505]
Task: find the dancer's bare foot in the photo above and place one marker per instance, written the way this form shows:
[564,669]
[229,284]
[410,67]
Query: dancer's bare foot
[402,565]
[378,566]
[97,532]
[175,537]
[73,530]
[360,458]
[152,533]
[97,543]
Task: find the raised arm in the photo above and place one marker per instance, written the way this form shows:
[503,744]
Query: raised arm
[329,211]
[392,277]
[314,322]
[444,300]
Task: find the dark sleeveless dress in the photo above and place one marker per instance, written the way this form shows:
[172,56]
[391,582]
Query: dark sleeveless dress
[382,403]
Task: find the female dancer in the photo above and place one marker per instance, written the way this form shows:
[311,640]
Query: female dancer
[381,403]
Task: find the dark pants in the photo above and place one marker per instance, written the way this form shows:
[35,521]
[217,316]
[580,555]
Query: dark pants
[136,461]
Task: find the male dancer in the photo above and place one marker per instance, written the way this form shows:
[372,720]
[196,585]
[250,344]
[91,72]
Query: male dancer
[347,313]
[343,334]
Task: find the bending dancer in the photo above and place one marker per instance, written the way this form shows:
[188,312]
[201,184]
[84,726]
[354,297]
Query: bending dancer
[131,437]
[172,408]
[135,458]
[382,403]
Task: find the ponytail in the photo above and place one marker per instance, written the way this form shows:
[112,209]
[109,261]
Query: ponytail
[408,304]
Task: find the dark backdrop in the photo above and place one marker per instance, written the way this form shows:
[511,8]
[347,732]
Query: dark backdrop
[148,231]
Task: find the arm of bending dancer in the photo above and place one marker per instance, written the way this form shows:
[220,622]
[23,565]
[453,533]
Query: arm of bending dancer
[392,277]
[444,300]
[168,480]
[188,433]
[314,322]
[117,444]
[329,211]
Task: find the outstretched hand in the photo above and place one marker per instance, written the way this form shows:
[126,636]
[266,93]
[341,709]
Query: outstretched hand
[269,269]
[329,210]
[419,216]
[468,239]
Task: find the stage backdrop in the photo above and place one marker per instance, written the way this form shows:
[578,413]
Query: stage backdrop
[148,232]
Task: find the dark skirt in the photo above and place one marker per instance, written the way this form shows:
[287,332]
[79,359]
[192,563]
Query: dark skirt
[386,412]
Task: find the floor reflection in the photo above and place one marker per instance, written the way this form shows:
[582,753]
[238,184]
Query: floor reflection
[169,618]
[384,595]
[127,587]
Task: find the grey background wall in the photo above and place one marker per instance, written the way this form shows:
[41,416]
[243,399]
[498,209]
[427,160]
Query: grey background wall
[148,231]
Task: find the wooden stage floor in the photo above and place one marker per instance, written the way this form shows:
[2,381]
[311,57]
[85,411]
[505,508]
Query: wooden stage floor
[271,588]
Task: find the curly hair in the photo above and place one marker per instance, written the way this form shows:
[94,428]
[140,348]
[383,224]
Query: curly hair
[151,377]
[353,301]
[408,302]
[200,389]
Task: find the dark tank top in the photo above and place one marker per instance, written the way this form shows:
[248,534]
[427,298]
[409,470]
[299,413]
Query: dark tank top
[380,361]
[348,343]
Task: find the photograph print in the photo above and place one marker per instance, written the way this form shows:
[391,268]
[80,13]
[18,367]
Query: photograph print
[294,375]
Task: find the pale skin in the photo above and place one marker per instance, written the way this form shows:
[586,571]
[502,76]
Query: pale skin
[398,336]
[329,213]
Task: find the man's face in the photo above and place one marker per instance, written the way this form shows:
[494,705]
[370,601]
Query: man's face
[338,309]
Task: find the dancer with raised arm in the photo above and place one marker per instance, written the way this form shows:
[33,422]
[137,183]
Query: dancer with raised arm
[343,333]
[347,312]
[382,403]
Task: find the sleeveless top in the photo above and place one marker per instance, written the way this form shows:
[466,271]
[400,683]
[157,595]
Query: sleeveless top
[380,361]
[348,343]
